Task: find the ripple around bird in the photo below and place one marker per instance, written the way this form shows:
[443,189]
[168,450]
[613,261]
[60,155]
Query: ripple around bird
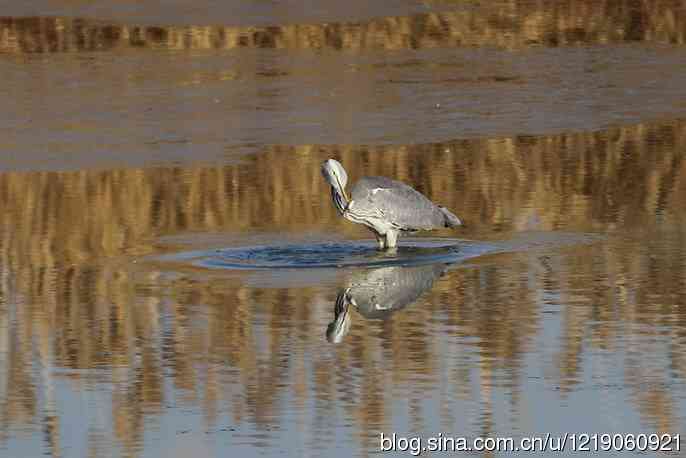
[363,253]
[341,255]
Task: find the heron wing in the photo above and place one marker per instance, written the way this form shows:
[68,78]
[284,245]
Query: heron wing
[378,292]
[396,203]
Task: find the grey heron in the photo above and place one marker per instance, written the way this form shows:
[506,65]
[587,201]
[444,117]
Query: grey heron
[377,293]
[387,207]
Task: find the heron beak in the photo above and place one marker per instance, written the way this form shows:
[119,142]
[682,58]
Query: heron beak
[345,195]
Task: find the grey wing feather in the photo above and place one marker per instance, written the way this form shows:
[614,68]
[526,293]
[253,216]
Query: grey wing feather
[397,203]
[382,291]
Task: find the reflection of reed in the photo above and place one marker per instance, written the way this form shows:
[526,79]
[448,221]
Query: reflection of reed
[509,24]
[67,284]
[626,176]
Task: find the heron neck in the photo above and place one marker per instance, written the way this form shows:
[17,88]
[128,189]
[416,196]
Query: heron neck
[340,326]
[339,200]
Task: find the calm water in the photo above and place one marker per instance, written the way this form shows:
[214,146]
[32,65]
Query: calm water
[174,280]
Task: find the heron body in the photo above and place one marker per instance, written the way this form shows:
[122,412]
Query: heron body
[378,293]
[387,207]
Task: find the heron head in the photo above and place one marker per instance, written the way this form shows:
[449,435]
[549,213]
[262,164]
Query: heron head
[339,327]
[335,175]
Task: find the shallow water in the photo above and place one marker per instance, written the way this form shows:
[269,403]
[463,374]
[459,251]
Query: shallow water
[174,278]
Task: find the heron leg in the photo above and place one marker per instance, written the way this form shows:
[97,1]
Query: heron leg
[391,239]
[381,240]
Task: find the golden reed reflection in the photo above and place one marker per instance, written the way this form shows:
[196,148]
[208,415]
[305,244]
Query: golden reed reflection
[506,23]
[71,296]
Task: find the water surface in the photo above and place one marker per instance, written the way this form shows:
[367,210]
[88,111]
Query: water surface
[171,262]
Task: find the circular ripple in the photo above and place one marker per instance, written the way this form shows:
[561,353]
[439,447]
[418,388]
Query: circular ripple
[343,254]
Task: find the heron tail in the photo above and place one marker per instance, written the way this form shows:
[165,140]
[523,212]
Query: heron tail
[450,219]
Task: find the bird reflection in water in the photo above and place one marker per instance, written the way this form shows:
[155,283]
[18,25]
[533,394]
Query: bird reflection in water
[377,293]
